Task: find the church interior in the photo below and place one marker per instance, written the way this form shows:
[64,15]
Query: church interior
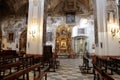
[59,40]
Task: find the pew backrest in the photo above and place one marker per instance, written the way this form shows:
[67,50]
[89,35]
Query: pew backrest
[22,72]
[102,73]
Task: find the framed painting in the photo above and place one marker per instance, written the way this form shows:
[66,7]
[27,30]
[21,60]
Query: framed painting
[11,37]
[70,17]
[63,44]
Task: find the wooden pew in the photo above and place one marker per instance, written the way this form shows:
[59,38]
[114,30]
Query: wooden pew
[42,74]
[9,66]
[26,71]
[7,56]
[26,61]
[115,64]
[109,63]
[86,67]
[99,74]
[106,63]
[48,58]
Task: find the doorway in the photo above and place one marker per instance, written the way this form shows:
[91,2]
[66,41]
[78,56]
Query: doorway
[23,40]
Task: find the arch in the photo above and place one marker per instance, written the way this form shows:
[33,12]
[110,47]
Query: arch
[22,41]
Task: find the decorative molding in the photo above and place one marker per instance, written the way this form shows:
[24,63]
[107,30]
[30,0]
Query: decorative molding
[14,26]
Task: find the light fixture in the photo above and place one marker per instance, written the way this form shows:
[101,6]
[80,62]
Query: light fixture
[113,29]
[33,28]
[118,36]
[32,33]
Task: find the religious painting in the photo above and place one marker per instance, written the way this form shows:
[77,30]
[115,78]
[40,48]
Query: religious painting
[11,37]
[63,44]
[81,31]
[70,17]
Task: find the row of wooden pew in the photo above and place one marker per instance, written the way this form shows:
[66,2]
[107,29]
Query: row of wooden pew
[104,66]
[109,63]
[86,67]
[15,66]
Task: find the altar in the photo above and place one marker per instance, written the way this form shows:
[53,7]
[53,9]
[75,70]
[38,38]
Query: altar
[63,40]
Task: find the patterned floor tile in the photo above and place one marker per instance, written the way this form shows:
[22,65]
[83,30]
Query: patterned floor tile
[69,70]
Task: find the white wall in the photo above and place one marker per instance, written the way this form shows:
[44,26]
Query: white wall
[88,26]
[113,45]
[90,34]
[107,44]
[16,26]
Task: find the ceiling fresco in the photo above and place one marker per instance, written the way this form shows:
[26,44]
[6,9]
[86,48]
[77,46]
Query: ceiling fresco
[54,7]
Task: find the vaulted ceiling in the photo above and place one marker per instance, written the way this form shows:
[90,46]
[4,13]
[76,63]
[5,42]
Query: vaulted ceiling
[59,7]
[13,7]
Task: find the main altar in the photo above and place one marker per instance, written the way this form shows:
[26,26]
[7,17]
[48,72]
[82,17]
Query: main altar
[63,40]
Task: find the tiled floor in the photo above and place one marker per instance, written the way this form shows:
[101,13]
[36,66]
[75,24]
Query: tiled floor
[69,70]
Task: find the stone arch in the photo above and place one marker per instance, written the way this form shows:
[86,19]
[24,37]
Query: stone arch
[22,41]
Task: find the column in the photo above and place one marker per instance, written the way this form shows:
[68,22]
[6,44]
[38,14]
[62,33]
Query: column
[101,28]
[35,27]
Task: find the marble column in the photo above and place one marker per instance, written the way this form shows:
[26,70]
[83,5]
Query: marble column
[101,36]
[35,27]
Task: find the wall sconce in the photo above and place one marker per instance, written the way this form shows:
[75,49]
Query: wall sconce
[33,28]
[113,29]
[118,36]
[32,33]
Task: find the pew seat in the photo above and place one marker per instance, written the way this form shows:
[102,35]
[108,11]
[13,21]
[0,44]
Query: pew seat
[99,74]
[86,67]
[26,71]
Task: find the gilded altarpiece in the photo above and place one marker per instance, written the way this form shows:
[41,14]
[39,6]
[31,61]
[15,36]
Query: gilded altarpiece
[63,40]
